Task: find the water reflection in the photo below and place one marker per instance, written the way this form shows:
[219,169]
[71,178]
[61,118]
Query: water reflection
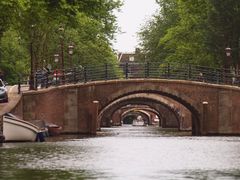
[124,153]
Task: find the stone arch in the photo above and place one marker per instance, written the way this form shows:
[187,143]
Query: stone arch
[144,102]
[149,107]
[140,100]
[144,109]
[137,111]
[195,114]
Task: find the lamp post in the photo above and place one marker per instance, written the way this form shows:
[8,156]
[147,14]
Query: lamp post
[61,30]
[55,73]
[31,78]
[70,52]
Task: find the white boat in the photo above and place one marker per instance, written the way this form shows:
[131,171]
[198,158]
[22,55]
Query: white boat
[15,129]
[137,122]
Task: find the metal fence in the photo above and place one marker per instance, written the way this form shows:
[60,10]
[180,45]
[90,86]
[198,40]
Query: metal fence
[44,78]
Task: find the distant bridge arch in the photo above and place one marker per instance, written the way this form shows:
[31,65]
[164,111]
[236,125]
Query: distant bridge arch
[138,99]
[143,110]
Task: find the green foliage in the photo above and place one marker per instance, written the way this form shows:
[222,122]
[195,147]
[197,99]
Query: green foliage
[195,32]
[43,28]
[156,29]
[14,56]
[9,10]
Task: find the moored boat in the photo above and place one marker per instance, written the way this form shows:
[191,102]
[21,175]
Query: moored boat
[15,129]
[54,129]
[41,125]
[137,122]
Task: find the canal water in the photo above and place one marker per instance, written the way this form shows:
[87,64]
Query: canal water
[124,153]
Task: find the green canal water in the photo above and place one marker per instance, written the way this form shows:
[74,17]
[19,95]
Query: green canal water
[124,153]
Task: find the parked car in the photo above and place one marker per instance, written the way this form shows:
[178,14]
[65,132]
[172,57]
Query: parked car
[3,92]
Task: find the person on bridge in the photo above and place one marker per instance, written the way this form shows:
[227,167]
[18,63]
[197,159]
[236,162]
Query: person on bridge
[201,77]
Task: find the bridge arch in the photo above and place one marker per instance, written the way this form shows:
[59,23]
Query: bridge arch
[139,98]
[146,116]
[149,107]
[151,102]
[143,110]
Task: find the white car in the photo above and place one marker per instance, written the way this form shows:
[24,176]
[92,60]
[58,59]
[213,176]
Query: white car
[3,92]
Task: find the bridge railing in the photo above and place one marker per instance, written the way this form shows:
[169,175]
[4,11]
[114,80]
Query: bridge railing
[44,78]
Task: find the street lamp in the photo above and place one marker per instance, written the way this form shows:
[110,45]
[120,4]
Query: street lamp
[70,49]
[70,52]
[56,58]
[228,52]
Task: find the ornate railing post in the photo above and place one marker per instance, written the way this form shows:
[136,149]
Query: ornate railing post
[74,75]
[19,84]
[165,69]
[47,78]
[126,70]
[35,82]
[168,71]
[106,72]
[223,78]
[85,74]
[189,71]
[147,70]
[216,74]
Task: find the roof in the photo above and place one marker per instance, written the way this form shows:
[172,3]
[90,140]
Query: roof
[126,57]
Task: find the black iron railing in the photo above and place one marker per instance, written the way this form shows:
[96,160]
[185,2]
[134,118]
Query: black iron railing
[44,78]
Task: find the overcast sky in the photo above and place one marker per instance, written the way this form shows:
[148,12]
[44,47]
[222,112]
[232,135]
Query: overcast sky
[133,14]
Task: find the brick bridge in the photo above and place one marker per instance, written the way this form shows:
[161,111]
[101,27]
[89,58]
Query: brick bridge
[168,111]
[80,108]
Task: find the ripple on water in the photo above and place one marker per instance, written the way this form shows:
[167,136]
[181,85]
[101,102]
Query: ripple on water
[130,152]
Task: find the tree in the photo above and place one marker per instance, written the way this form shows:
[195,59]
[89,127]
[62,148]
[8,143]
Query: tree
[199,32]
[88,24]
[156,29]
[14,57]
[9,13]
[188,38]
[9,10]
[224,21]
